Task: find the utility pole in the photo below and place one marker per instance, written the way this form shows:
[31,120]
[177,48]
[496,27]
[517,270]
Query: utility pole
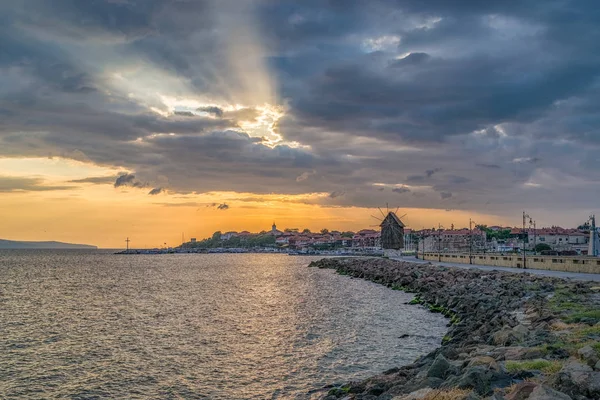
[127,241]
[470,241]
[534,237]
[439,240]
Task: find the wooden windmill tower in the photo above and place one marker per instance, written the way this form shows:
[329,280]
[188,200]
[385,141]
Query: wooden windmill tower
[392,231]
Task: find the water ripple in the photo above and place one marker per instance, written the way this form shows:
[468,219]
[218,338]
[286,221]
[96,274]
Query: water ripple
[92,325]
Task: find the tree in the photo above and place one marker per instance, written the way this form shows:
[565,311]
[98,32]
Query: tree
[306,230]
[541,247]
[584,227]
[348,234]
[216,236]
[324,231]
[291,230]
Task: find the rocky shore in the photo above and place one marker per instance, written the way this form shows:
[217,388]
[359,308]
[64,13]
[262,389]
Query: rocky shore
[511,336]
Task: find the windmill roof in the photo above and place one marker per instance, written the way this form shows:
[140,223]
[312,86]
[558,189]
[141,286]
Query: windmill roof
[394,218]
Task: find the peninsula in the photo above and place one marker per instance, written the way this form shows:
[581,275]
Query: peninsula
[15,244]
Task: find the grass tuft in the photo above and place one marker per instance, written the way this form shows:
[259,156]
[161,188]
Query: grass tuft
[546,366]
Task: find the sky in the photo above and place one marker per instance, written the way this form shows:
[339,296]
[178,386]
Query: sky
[155,119]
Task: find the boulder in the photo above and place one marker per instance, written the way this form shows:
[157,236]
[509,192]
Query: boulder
[520,332]
[577,379]
[503,337]
[521,391]
[522,353]
[589,355]
[485,361]
[542,392]
[440,368]
[416,395]
[477,378]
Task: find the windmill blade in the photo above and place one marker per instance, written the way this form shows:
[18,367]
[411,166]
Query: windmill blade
[377,218]
[397,208]
[382,214]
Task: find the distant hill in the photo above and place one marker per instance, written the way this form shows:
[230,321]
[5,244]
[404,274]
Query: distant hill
[13,244]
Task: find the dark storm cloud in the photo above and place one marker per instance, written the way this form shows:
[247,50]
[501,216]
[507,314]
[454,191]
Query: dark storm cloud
[128,180]
[216,111]
[499,95]
[335,194]
[155,191]
[401,190]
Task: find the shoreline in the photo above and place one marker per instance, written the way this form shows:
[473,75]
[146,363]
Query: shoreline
[511,336]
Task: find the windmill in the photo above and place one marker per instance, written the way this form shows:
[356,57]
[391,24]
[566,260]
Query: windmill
[392,230]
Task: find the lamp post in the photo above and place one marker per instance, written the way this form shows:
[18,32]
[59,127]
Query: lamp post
[439,240]
[470,241]
[525,216]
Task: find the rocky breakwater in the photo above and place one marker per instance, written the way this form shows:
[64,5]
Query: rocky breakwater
[511,336]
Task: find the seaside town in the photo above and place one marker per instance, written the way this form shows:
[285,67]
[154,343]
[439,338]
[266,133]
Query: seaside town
[552,240]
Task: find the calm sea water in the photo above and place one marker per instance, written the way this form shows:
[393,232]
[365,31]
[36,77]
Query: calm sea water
[89,324]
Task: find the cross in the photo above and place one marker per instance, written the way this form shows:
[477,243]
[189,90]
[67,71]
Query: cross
[127,241]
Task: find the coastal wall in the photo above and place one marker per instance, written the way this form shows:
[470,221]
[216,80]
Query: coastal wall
[590,265]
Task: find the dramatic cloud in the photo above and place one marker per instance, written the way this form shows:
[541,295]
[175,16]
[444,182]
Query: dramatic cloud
[155,191]
[487,106]
[19,184]
[401,190]
[335,194]
[128,180]
[216,111]
[99,180]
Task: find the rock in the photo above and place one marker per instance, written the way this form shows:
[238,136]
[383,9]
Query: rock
[542,392]
[521,391]
[477,378]
[577,379]
[416,395]
[597,366]
[503,337]
[520,332]
[522,353]
[485,361]
[588,354]
[440,368]
[377,389]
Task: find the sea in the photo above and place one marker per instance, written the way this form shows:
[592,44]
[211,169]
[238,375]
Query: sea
[89,324]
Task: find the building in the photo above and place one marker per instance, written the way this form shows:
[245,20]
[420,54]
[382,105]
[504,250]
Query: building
[454,241]
[274,230]
[367,238]
[558,239]
[392,232]
[228,235]
[193,240]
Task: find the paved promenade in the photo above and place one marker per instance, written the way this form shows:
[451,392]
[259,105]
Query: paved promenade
[558,274]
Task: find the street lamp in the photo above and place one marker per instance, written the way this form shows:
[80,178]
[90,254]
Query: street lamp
[525,216]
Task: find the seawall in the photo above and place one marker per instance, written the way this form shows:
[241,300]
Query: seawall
[511,336]
[590,265]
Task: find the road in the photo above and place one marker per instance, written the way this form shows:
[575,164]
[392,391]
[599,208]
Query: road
[556,274]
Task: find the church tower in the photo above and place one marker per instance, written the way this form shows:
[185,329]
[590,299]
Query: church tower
[273,228]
